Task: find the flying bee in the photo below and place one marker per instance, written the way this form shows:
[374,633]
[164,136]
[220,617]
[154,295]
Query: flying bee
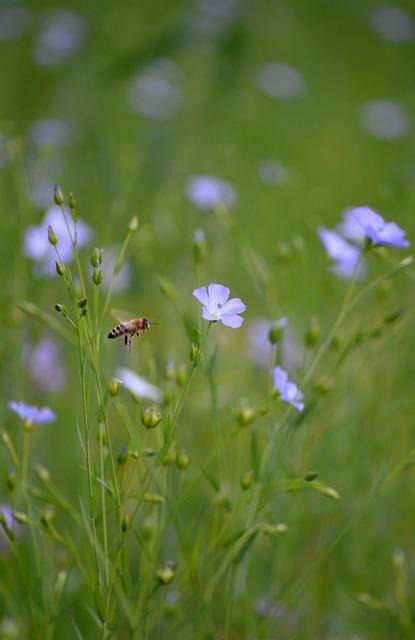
[129,329]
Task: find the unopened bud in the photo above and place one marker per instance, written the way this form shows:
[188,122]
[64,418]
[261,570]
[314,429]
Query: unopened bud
[59,583]
[181,374]
[244,414]
[122,456]
[82,303]
[324,384]
[247,480]
[151,417]
[182,460]
[310,476]
[165,575]
[60,268]
[47,517]
[283,252]
[133,226]
[61,308]
[276,330]
[170,457]
[97,276]
[199,246]
[72,201]
[42,473]
[11,478]
[114,386]
[148,529]
[125,522]
[96,258]
[58,196]
[223,500]
[393,316]
[194,354]
[169,372]
[313,333]
[29,426]
[21,518]
[52,237]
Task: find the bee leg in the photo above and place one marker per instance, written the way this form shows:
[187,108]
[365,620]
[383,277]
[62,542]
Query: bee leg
[130,344]
[125,340]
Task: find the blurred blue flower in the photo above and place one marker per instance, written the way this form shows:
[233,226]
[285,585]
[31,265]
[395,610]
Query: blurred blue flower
[137,385]
[288,391]
[350,228]
[38,248]
[14,22]
[217,307]
[31,413]
[378,231]
[385,119]
[62,35]
[280,80]
[44,364]
[208,192]
[154,92]
[345,256]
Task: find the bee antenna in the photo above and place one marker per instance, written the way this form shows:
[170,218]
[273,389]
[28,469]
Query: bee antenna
[153,322]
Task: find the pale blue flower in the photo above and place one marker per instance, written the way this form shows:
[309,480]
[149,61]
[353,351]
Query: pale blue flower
[62,35]
[378,230]
[288,390]
[350,228]
[217,307]
[290,349]
[38,248]
[347,260]
[33,414]
[137,385]
[208,192]
[43,363]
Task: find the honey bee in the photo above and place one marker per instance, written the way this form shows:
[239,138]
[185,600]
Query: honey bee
[129,329]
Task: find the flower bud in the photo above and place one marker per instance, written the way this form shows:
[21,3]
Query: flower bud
[247,480]
[82,303]
[182,460]
[275,333]
[61,308]
[47,516]
[169,372]
[96,258]
[59,583]
[125,522]
[283,252]
[149,453]
[114,387]
[394,316]
[151,417]
[168,396]
[313,333]
[11,478]
[170,457]
[310,476]
[42,473]
[165,575]
[244,414]
[273,529]
[223,500]
[60,268]
[97,276]
[148,529]
[324,384]
[52,237]
[181,374]
[29,426]
[133,226]
[21,518]
[122,456]
[72,202]
[58,196]
[194,354]
[199,246]
[3,522]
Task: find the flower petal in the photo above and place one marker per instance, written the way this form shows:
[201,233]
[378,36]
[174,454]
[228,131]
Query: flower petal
[218,295]
[201,295]
[232,307]
[206,315]
[232,321]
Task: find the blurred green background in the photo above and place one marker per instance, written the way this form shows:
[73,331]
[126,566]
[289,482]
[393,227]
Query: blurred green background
[332,128]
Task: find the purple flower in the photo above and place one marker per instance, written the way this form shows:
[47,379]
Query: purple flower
[292,352]
[217,307]
[38,248]
[31,413]
[344,255]
[208,192]
[43,362]
[288,391]
[378,231]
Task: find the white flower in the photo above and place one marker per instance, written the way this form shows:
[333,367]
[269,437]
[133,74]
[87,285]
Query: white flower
[137,385]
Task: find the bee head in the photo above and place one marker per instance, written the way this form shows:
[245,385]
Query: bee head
[146,324]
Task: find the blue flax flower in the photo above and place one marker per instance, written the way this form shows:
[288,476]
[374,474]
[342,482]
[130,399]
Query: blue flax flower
[31,413]
[288,390]
[217,307]
[378,230]
[345,256]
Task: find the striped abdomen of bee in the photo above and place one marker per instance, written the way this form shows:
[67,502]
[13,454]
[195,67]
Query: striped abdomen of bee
[129,330]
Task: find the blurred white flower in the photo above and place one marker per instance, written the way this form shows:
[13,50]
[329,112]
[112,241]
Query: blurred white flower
[271,171]
[125,276]
[208,192]
[154,92]
[393,24]
[137,385]
[384,119]
[61,36]
[280,80]
[44,364]
[14,22]
[37,246]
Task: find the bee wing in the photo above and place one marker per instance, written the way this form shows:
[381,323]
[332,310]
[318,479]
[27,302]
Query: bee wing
[121,315]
